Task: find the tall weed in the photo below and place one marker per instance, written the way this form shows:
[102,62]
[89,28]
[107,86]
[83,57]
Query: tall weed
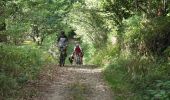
[143,76]
[18,65]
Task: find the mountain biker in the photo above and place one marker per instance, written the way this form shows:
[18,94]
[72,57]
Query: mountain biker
[62,41]
[78,51]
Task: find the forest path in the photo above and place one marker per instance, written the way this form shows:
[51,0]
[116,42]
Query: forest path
[77,83]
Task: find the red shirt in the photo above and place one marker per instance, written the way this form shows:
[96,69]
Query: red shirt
[77,50]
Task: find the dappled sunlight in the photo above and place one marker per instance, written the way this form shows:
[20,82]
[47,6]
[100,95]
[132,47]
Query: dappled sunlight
[113,40]
[123,42]
[27,42]
[80,83]
[92,3]
[85,70]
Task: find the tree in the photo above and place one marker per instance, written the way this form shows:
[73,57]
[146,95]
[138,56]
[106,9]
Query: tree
[3,36]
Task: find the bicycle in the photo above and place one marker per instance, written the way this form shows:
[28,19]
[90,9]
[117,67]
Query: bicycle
[78,59]
[62,56]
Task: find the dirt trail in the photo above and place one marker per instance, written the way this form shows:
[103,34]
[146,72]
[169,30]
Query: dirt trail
[77,83]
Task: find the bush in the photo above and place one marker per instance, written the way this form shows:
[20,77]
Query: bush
[18,65]
[143,76]
[103,56]
[147,36]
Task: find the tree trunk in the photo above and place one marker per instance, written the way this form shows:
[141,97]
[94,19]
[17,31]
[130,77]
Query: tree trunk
[3,36]
[165,6]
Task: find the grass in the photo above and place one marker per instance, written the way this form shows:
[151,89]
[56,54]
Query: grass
[128,81]
[118,83]
[18,65]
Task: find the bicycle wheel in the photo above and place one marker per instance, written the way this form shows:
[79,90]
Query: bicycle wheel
[62,58]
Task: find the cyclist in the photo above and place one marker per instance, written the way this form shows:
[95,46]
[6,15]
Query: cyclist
[63,41]
[62,44]
[78,51]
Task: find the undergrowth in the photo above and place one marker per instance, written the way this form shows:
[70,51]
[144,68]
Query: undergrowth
[18,65]
[134,78]
[140,70]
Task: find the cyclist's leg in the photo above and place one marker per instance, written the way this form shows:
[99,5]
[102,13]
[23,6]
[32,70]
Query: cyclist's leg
[81,58]
[60,60]
[61,56]
[65,50]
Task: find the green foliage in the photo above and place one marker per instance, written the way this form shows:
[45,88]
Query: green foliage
[147,36]
[20,17]
[156,35]
[159,89]
[167,52]
[91,26]
[104,55]
[18,65]
[88,50]
[141,71]
[142,76]
[138,62]
[116,75]
[71,33]
[125,9]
